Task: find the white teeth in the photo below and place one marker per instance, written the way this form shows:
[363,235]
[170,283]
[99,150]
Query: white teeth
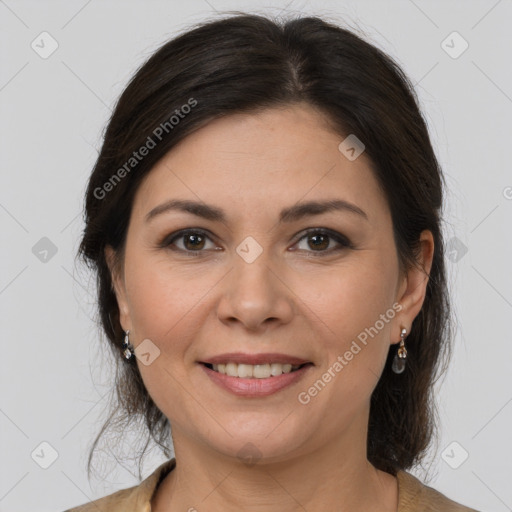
[257,371]
[231,369]
[244,371]
[277,369]
[261,371]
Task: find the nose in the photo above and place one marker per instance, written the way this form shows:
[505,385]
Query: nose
[255,296]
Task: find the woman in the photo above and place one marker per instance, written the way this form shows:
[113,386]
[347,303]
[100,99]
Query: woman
[264,221]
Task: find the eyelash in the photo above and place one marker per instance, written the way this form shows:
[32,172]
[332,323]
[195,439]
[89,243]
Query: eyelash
[338,237]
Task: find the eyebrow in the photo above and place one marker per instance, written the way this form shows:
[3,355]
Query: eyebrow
[291,214]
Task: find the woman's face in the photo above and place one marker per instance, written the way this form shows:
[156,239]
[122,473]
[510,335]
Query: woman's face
[248,284]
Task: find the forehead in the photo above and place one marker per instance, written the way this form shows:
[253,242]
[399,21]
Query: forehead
[257,161]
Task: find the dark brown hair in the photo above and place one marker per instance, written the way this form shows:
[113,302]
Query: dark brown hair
[244,63]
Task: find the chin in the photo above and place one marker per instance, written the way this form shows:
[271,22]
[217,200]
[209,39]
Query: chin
[254,440]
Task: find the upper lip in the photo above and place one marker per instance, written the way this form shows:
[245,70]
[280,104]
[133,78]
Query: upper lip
[266,358]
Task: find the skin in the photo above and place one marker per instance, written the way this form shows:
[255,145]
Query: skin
[295,298]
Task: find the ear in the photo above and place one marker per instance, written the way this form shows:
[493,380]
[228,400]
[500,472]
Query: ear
[118,287]
[413,288]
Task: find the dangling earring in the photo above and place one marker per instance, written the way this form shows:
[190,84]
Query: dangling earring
[399,361]
[128,349]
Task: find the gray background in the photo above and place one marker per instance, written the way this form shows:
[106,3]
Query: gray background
[54,378]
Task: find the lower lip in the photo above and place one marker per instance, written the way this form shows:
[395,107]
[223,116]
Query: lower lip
[255,387]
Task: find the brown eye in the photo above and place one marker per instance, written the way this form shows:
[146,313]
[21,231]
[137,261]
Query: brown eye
[193,241]
[324,241]
[189,242]
[318,241]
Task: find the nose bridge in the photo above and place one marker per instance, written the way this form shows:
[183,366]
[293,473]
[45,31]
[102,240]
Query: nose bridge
[253,278]
[254,294]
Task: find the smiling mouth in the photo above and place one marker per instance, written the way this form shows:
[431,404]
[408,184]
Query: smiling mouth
[256,371]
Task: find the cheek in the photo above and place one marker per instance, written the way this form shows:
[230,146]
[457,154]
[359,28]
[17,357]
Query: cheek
[164,300]
[356,310]
[167,306]
[355,306]
[351,298]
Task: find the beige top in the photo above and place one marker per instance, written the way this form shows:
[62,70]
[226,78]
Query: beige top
[413,496]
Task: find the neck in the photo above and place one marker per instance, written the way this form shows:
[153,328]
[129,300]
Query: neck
[335,476]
